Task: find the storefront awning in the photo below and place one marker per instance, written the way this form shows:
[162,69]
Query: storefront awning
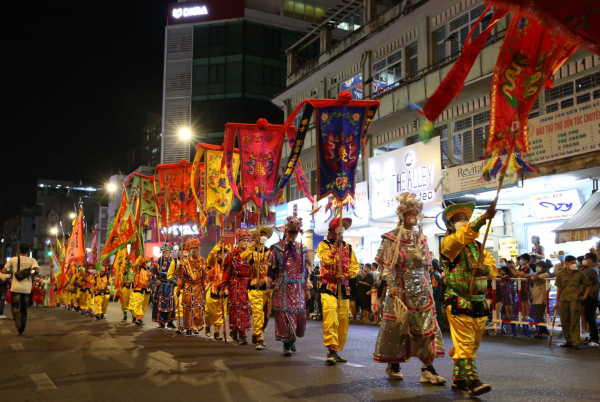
[584,225]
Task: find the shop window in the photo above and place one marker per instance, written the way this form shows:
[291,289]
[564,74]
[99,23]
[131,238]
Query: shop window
[468,138]
[442,132]
[354,85]
[387,72]
[459,28]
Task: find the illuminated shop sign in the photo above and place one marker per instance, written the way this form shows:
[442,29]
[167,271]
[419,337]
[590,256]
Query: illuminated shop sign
[416,168]
[189,11]
[553,206]
[204,11]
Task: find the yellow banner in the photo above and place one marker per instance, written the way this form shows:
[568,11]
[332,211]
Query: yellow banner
[218,192]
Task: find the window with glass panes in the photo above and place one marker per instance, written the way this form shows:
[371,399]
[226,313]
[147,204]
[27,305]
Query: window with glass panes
[442,132]
[304,10]
[573,93]
[468,138]
[462,25]
[439,38]
[387,72]
[413,61]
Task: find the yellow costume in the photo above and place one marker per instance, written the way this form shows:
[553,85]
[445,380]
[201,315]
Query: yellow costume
[127,279]
[171,276]
[101,292]
[139,300]
[215,306]
[336,307]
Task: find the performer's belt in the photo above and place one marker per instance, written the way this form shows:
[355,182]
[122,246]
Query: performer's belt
[256,287]
[323,289]
[334,281]
[128,286]
[141,290]
[216,296]
[193,283]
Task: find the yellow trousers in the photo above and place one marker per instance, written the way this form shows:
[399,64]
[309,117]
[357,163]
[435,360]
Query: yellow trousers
[140,303]
[335,321]
[101,304]
[178,307]
[258,299]
[86,301]
[125,297]
[213,311]
[75,298]
[466,335]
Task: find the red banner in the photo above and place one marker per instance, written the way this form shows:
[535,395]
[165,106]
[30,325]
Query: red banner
[529,56]
[121,230]
[176,202]
[76,244]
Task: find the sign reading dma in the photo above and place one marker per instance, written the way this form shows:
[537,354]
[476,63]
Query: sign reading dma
[204,11]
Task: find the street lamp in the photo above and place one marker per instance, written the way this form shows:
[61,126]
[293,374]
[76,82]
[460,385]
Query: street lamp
[72,215]
[54,231]
[111,187]
[185,134]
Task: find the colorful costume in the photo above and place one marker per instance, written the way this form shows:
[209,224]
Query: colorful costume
[163,303]
[467,312]
[176,294]
[335,294]
[409,327]
[86,299]
[236,276]
[191,283]
[216,307]
[139,300]
[127,280]
[101,291]
[258,257]
[288,276]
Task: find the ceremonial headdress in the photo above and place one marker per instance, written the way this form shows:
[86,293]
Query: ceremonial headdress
[408,202]
[89,264]
[166,247]
[191,243]
[335,222]
[242,234]
[293,223]
[266,229]
[452,210]
[146,259]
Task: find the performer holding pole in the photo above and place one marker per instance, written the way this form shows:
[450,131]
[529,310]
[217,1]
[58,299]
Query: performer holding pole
[467,311]
[338,265]
[215,305]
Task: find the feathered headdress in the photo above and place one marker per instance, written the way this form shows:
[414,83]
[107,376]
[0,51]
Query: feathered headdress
[293,223]
[408,202]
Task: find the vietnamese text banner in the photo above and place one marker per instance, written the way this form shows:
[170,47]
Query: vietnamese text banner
[466,180]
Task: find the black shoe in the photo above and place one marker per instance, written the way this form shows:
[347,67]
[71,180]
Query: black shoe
[234,337]
[576,347]
[293,348]
[124,319]
[171,325]
[462,385]
[139,322]
[179,332]
[134,319]
[339,359]
[566,345]
[243,340]
[254,339]
[477,388]
[161,326]
[188,333]
[260,345]
[102,317]
[98,317]
[331,358]
[218,337]
[286,349]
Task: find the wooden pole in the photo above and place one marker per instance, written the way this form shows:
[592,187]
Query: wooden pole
[222,299]
[487,230]
[341,254]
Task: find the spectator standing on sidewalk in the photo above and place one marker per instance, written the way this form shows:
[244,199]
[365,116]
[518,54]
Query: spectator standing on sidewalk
[538,289]
[569,283]
[20,290]
[537,251]
[4,286]
[590,304]
[560,265]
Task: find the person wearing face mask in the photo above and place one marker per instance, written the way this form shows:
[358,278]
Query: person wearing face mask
[236,275]
[334,287]
[192,280]
[590,304]
[257,255]
[139,300]
[525,271]
[288,276]
[537,250]
[467,311]
[569,283]
[101,290]
[560,265]
[409,327]
[538,291]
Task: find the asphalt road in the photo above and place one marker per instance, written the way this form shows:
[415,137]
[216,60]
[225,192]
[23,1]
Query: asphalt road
[65,357]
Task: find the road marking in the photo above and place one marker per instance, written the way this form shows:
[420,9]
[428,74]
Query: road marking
[345,364]
[545,357]
[6,331]
[43,381]
[17,346]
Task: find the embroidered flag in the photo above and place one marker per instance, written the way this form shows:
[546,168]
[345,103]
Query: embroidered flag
[76,246]
[528,58]
[93,255]
[300,177]
[145,186]
[218,194]
[176,201]
[121,230]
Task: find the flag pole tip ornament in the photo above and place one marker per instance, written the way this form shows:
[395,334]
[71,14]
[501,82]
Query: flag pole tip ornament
[192,243]
[335,223]
[262,124]
[408,202]
[454,209]
[166,247]
[263,229]
[294,223]
[242,234]
[345,97]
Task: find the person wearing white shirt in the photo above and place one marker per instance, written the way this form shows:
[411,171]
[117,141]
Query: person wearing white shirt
[20,290]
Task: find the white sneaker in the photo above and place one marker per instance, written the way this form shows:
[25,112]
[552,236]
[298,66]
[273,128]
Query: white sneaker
[2,317]
[393,375]
[428,374]
[593,345]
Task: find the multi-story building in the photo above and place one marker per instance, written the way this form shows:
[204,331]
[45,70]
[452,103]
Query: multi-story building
[224,61]
[402,54]
[151,140]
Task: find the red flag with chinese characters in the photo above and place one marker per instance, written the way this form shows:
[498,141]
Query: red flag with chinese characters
[76,245]
[529,56]
[121,230]
[176,202]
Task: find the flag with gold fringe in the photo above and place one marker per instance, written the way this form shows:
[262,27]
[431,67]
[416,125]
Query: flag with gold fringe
[121,230]
[76,245]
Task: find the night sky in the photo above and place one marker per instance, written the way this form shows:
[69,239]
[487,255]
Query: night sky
[79,78]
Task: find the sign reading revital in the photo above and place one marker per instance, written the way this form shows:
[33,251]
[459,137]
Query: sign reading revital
[466,180]
[208,10]
[565,133]
[416,168]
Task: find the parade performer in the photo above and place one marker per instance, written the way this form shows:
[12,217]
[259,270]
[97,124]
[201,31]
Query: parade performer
[409,326]
[216,307]
[127,279]
[140,298]
[257,255]
[236,276]
[335,292]
[74,287]
[101,291]
[86,300]
[173,278]
[191,284]
[288,276]
[467,311]
[163,303]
